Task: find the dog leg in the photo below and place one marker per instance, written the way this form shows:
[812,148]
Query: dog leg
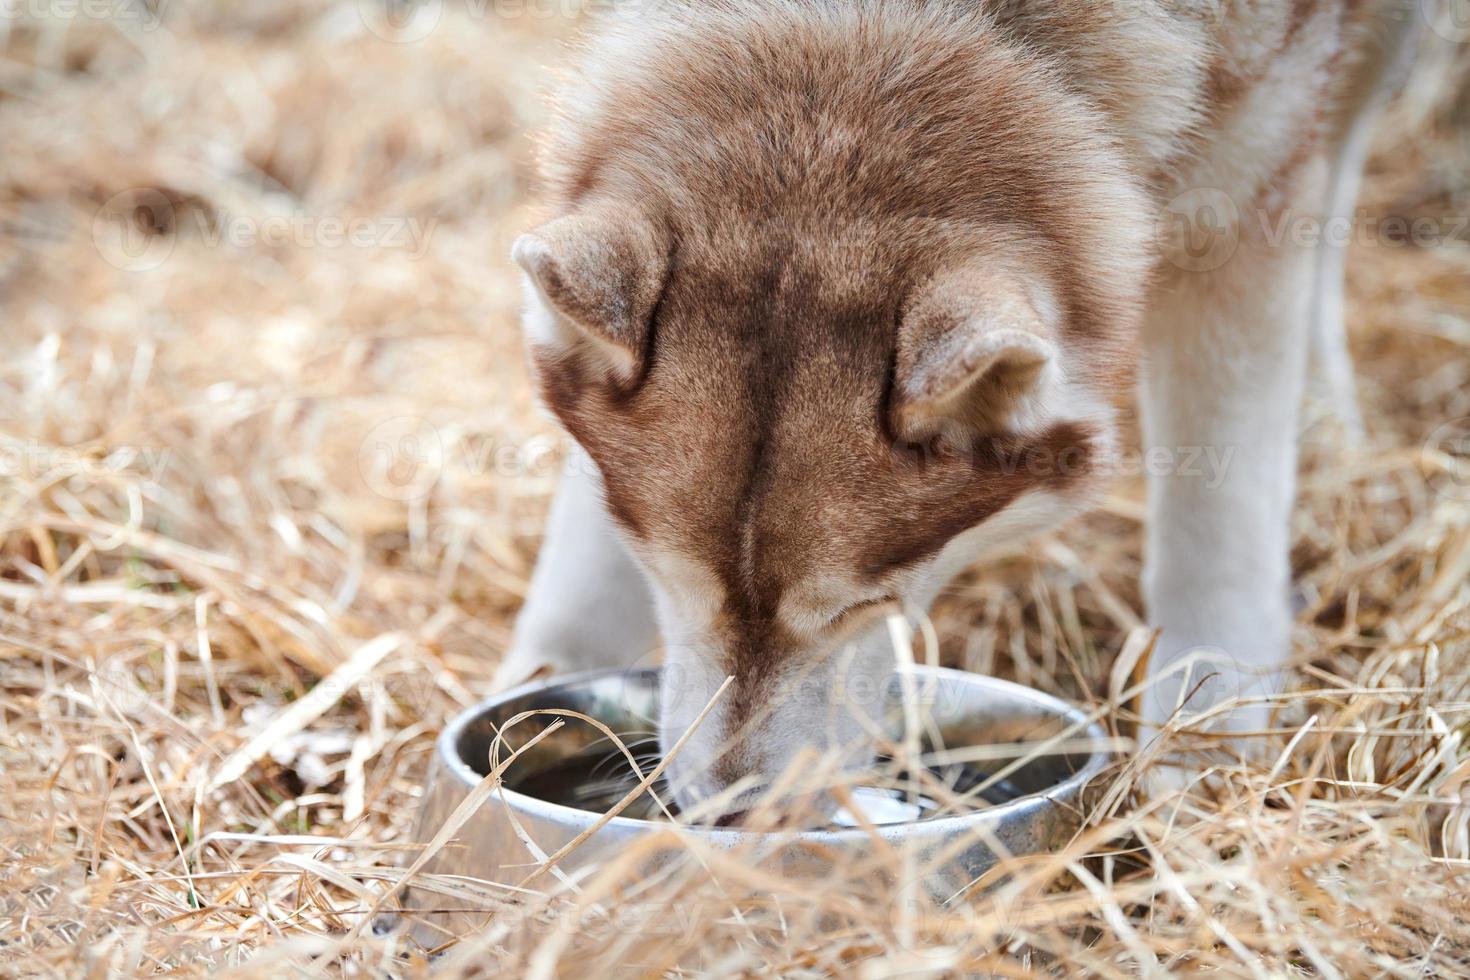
[1386,55]
[588,605]
[1225,363]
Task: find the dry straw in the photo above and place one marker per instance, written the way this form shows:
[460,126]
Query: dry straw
[273,484]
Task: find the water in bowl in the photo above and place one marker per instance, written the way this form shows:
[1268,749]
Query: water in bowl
[595,779]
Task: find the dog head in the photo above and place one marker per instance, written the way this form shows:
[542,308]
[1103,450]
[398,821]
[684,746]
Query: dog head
[825,352]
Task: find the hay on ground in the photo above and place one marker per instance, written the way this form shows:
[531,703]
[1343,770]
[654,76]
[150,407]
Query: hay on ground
[265,423]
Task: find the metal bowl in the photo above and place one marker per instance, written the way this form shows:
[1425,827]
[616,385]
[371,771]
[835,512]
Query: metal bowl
[1025,805]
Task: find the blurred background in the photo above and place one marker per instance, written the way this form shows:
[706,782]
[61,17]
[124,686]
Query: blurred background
[264,423]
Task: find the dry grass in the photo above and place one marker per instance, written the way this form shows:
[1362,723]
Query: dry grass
[193,535]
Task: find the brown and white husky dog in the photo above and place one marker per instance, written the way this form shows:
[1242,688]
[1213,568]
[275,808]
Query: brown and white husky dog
[839,295]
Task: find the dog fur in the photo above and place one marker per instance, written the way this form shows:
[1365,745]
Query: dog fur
[839,295]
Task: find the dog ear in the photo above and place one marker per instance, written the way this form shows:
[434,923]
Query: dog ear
[977,348]
[599,273]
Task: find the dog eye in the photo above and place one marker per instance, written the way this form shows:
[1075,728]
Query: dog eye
[858,607]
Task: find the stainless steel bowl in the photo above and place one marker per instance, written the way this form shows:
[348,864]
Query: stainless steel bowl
[1040,808]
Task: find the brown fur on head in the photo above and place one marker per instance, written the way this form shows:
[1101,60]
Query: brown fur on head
[835,297]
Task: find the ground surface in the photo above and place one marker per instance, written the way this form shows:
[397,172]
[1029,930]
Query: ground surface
[264,421]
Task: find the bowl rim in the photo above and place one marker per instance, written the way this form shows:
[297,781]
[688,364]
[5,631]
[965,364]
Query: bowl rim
[448,757]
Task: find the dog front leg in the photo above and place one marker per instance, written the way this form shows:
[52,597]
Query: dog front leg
[1225,361]
[588,605]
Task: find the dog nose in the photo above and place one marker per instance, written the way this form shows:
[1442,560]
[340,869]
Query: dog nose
[732,819]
